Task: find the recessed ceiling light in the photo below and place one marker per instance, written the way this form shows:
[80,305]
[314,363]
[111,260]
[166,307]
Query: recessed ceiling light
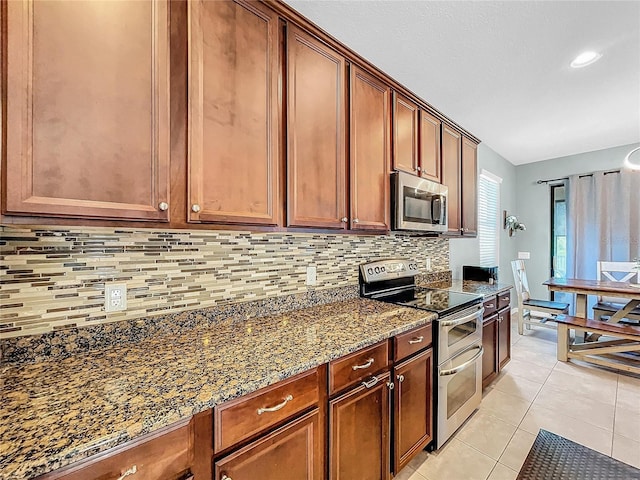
[585,58]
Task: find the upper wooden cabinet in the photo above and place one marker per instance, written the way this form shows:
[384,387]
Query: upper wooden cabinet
[430,157]
[451,158]
[87,127]
[469,187]
[459,173]
[370,144]
[316,120]
[416,140]
[234,113]
[405,134]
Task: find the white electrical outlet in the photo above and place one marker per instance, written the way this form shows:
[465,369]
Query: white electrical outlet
[115,297]
[311,275]
[427,264]
[524,255]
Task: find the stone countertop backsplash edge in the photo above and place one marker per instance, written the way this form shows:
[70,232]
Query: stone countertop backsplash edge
[92,400]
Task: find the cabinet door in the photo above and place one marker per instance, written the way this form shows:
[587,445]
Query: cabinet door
[292,451]
[316,111]
[370,151]
[413,406]
[234,120]
[87,109]
[504,337]
[405,134]
[430,157]
[469,187]
[490,345]
[451,175]
[359,429]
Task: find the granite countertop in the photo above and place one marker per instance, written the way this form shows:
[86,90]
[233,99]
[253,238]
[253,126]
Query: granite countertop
[467,286]
[56,412]
[479,288]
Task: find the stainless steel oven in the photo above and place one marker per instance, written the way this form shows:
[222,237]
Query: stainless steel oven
[459,331]
[418,204]
[459,391]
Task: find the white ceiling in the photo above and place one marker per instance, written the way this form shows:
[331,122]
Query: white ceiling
[501,70]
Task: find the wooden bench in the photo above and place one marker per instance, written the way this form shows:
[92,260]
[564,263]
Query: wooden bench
[622,353]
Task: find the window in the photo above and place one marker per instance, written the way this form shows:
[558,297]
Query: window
[488,218]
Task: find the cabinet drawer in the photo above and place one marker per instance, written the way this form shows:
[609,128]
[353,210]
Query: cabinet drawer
[411,342]
[490,306]
[251,414]
[351,369]
[164,454]
[504,299]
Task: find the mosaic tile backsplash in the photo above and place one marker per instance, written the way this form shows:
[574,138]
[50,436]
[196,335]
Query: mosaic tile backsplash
[52,279]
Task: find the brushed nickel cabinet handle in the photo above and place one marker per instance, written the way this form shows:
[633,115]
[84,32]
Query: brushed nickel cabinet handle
[491,305]
[164,206]
[275,408]
[400,378]
[505,298]
[224,477]
[416,340]
[355,220]
[367,364]
[370,383]
[129,471]
[344,219]
[195,208]
[390,385]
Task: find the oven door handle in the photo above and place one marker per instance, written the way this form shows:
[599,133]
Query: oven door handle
[459,368]
[460,321]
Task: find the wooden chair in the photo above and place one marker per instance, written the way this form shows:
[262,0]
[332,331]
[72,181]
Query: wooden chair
[616,272]
[532,311]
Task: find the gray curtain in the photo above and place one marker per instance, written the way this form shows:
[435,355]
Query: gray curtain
[603,221]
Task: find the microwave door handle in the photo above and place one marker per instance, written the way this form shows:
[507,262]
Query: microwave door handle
[436,209]
[465,365]
[460,321]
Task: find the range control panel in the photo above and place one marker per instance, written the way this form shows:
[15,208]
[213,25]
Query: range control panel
[388,269]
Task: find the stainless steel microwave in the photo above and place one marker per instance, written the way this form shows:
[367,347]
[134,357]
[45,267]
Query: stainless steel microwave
[418,204]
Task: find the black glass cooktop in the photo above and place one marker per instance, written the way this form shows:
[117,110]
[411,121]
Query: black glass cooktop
[442,302]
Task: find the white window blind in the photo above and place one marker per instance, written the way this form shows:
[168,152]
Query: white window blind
[488,218]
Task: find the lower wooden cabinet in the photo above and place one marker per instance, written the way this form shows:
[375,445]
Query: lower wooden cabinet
[504,337]
[413,407]
[292,451]
[359,431]
[165,455]
[490,365]
[496,338]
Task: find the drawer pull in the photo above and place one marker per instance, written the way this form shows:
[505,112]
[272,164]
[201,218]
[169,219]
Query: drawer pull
[224,477]
[370,383]
[416,340]
[504,298]
[262,410]
[129,471]
[400,378]
[490,305]
[367,364]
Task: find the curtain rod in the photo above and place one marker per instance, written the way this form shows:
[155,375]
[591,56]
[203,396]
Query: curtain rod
[540,182]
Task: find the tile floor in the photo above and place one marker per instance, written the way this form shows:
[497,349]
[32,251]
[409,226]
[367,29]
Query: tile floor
[591,406]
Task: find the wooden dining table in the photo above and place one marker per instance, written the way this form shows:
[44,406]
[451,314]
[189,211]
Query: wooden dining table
[621,353]
[583,288]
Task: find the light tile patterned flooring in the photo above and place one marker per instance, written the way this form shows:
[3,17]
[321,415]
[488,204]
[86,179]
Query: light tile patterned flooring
[591,406]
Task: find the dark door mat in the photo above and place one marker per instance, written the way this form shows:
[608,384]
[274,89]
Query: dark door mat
[555,457]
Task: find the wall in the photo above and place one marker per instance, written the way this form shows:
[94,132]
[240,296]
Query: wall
[465,251]
[53,279]
[533,204]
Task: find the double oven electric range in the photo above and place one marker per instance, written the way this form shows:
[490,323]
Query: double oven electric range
[457,334]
